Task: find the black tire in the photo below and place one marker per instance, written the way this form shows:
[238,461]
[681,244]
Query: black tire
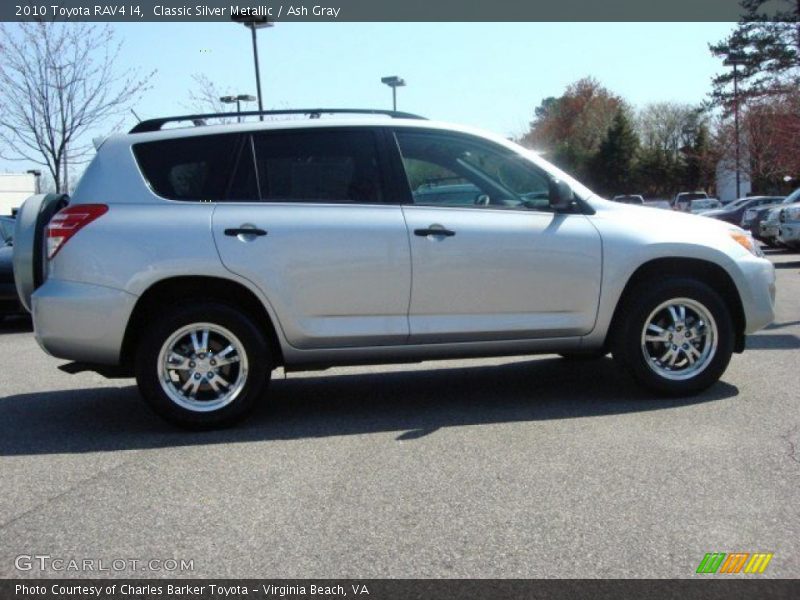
[254,380]
[626,340]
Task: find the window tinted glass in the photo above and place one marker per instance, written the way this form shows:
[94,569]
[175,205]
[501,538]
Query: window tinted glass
[190,168]
[318,166]
[452,170]
[244,185]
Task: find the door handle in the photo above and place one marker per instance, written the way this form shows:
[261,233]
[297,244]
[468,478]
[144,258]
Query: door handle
[433,230]
[234,231]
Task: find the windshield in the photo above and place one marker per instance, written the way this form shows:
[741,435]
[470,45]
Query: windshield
[793,197]
[738,203]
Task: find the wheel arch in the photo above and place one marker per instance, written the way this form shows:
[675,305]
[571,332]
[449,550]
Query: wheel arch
[178,290]
[705,271]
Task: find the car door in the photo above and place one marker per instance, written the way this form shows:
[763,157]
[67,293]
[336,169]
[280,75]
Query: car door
[309,222]
[499,264]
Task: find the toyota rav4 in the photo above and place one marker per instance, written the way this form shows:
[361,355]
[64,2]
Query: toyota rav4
[201,258]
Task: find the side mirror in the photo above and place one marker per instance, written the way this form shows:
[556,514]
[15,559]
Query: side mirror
[560,195]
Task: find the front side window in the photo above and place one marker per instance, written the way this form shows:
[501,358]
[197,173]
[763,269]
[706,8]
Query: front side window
[453,170]
[189,168]
[333,166]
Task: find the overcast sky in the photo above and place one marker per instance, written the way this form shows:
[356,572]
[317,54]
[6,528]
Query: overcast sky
[489,75]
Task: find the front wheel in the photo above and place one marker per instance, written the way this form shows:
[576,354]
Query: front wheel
[675,337]
[203,366]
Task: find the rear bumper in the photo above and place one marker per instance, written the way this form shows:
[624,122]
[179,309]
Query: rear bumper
[80,321]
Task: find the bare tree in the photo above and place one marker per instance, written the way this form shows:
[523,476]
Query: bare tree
[205,96]
[58,84]
[667,126]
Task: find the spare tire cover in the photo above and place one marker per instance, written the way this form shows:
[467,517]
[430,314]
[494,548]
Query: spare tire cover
[29,243]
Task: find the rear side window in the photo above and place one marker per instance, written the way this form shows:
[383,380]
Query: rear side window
[339,166]
[190,168]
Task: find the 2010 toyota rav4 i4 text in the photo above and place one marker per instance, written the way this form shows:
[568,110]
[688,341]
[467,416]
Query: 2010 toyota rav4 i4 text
[201,258]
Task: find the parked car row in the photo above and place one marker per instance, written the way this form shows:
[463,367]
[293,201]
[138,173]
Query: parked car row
[690,202]
[764,222]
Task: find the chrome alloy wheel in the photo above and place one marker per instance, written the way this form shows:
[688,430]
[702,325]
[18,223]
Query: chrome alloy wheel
[679,339]
[202,367]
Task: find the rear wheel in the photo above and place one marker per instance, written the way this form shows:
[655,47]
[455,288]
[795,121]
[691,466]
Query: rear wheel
[675,337]
[203,366]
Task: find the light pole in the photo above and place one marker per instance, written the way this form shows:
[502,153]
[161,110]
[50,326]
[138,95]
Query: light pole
[237,100]
[253,23]
[37,177]
[734,60]
[394,82]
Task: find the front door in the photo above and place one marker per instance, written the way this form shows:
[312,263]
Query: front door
[490,259]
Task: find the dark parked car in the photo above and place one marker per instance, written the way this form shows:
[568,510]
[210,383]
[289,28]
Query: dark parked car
[9,302]
[732,213]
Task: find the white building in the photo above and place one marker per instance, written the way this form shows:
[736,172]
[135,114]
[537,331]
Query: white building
[14,189]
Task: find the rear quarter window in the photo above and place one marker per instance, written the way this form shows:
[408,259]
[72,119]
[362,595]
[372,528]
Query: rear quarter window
[189,168]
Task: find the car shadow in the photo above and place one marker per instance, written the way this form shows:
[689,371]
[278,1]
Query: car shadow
[772,341]
[412,403]
[794,264]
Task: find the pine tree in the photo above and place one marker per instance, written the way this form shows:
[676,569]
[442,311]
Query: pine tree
[767,48]
[697,161]
[613,165]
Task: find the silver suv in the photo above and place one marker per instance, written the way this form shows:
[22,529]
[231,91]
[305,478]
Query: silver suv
[201,258]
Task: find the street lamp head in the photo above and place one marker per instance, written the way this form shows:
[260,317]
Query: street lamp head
[252,21]
[228,99]
[245,98]
[735,59]
[393,81]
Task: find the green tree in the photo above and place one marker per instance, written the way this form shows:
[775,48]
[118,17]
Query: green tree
[698,170]
[613,165]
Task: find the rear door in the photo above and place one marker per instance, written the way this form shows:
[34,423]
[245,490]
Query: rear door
[496,263]
[310,221]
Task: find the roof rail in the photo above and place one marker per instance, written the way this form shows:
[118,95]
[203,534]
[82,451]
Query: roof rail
[312,113]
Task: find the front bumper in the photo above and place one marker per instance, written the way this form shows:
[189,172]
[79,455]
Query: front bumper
[768,231]
[756,283]
[81,321]
[789,233]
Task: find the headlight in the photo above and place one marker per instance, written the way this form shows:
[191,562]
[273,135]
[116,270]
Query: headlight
[746,241]
[792,214]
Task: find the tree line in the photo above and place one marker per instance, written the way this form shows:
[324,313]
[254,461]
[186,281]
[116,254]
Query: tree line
[667,147]
[60,85]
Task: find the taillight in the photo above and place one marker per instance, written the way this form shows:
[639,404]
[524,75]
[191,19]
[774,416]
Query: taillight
[69,221]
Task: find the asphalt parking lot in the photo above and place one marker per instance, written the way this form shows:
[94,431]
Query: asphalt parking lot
[525,467]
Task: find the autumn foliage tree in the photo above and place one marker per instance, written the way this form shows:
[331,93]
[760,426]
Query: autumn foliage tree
[570,128]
